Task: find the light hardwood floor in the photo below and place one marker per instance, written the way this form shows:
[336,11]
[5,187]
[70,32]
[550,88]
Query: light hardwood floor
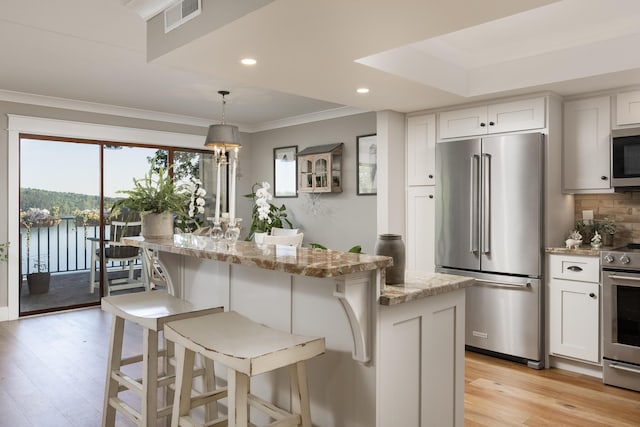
[52,372]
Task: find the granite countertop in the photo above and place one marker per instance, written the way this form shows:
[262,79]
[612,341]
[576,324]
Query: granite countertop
[422,285]
[289,259]
[582,250]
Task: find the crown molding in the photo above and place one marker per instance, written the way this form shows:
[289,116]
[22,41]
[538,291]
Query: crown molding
[334,113]
[114,110]
[93,107]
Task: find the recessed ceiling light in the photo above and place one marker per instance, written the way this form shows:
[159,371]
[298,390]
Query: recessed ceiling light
[248,61]
[362,90]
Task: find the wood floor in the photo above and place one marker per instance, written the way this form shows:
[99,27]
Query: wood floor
[52,371]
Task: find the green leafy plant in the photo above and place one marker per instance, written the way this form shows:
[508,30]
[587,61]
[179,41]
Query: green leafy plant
[4,251]
[265,215]
[357,249]
[157,192]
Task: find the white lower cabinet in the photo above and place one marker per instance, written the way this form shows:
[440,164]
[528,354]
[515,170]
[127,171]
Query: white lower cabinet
[421,228]
[574,307]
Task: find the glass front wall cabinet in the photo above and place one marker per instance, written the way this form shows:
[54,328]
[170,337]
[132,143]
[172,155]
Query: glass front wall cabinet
[320,169]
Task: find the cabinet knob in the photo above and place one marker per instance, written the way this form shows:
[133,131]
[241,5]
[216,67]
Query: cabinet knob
[431,196]
[592,295]
[430,176]
[491,124]
[604,178]
[483,125]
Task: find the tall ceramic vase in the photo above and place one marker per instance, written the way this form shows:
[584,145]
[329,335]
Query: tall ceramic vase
[157,226]
[391,245]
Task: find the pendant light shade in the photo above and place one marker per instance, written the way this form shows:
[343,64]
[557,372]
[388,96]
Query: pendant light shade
[222,135]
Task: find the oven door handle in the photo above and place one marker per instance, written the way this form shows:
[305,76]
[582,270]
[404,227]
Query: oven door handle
[633,279]
[614,365]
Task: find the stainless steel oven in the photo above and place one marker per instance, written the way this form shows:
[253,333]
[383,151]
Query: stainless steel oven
[621,317]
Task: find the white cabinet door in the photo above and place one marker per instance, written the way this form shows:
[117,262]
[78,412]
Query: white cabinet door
[421,228]
[587,146]
[574,319]
[518,115]
[421,150]
[512,116]
[628,108]
[470,121]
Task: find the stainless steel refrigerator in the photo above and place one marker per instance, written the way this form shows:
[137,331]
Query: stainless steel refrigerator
[489,225]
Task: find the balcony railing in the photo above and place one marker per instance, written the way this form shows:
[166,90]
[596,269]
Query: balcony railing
[59,248]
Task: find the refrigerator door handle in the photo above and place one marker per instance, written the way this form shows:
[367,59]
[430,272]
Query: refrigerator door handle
[486,203]
[473,214]
[503,284]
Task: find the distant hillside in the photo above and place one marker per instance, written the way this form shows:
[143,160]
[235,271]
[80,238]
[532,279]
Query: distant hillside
[67,202]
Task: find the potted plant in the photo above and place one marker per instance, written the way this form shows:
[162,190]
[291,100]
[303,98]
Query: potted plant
[158,199]
[38,281]
[607,229]
[265,215]
[4,251]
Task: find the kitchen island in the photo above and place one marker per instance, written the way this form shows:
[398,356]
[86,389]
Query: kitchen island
[395,354]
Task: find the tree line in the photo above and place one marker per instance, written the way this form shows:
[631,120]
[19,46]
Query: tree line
[67,202]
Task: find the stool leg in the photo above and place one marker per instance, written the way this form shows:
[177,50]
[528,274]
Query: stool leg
[237,391]
[168,370]
[209,384]
[184,378]
[149,412]
[300,393]
[113,363]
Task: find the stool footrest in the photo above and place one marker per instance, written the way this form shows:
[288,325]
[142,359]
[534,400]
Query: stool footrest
[126,410]
[282,417]
[127,382]
[204,398]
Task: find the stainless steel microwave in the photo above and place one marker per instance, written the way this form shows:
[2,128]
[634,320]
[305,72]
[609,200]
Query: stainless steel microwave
[625,163]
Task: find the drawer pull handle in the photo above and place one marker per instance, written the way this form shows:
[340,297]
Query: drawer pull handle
[574,268]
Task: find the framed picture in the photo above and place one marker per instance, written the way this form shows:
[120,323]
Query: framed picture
[367,162]
[285,171]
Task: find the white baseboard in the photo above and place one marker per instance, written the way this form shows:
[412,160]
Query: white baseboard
[576,366]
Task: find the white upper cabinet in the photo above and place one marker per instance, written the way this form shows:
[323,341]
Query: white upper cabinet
[628,108]
[495,118]
[421,150]
[587,146]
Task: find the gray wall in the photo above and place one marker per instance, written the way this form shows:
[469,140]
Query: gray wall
[337,221]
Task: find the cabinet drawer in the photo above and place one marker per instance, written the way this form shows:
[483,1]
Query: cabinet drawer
[574,267]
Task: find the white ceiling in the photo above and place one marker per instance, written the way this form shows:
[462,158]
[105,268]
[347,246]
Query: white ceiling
[412,54]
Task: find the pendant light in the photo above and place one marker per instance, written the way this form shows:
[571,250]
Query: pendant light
[222,136]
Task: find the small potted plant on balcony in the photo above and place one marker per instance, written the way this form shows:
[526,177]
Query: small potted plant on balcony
[39,280]
[159,199]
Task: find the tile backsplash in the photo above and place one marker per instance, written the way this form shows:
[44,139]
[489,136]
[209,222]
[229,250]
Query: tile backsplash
[621,208]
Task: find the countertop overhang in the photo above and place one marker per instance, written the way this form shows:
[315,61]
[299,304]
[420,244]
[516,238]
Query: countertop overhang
[420,285]
[303,261]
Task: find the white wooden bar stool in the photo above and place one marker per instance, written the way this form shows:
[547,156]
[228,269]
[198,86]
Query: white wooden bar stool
[151,310]
[246,348]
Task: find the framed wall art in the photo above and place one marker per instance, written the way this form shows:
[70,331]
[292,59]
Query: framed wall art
[367,162]
[285,171]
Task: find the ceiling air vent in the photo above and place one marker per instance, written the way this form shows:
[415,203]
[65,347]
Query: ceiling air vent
[180,13]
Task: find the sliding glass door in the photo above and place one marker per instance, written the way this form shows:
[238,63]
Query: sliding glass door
[67,188]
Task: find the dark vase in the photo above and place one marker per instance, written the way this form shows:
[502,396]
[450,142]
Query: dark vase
[38,282]
[392,245]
